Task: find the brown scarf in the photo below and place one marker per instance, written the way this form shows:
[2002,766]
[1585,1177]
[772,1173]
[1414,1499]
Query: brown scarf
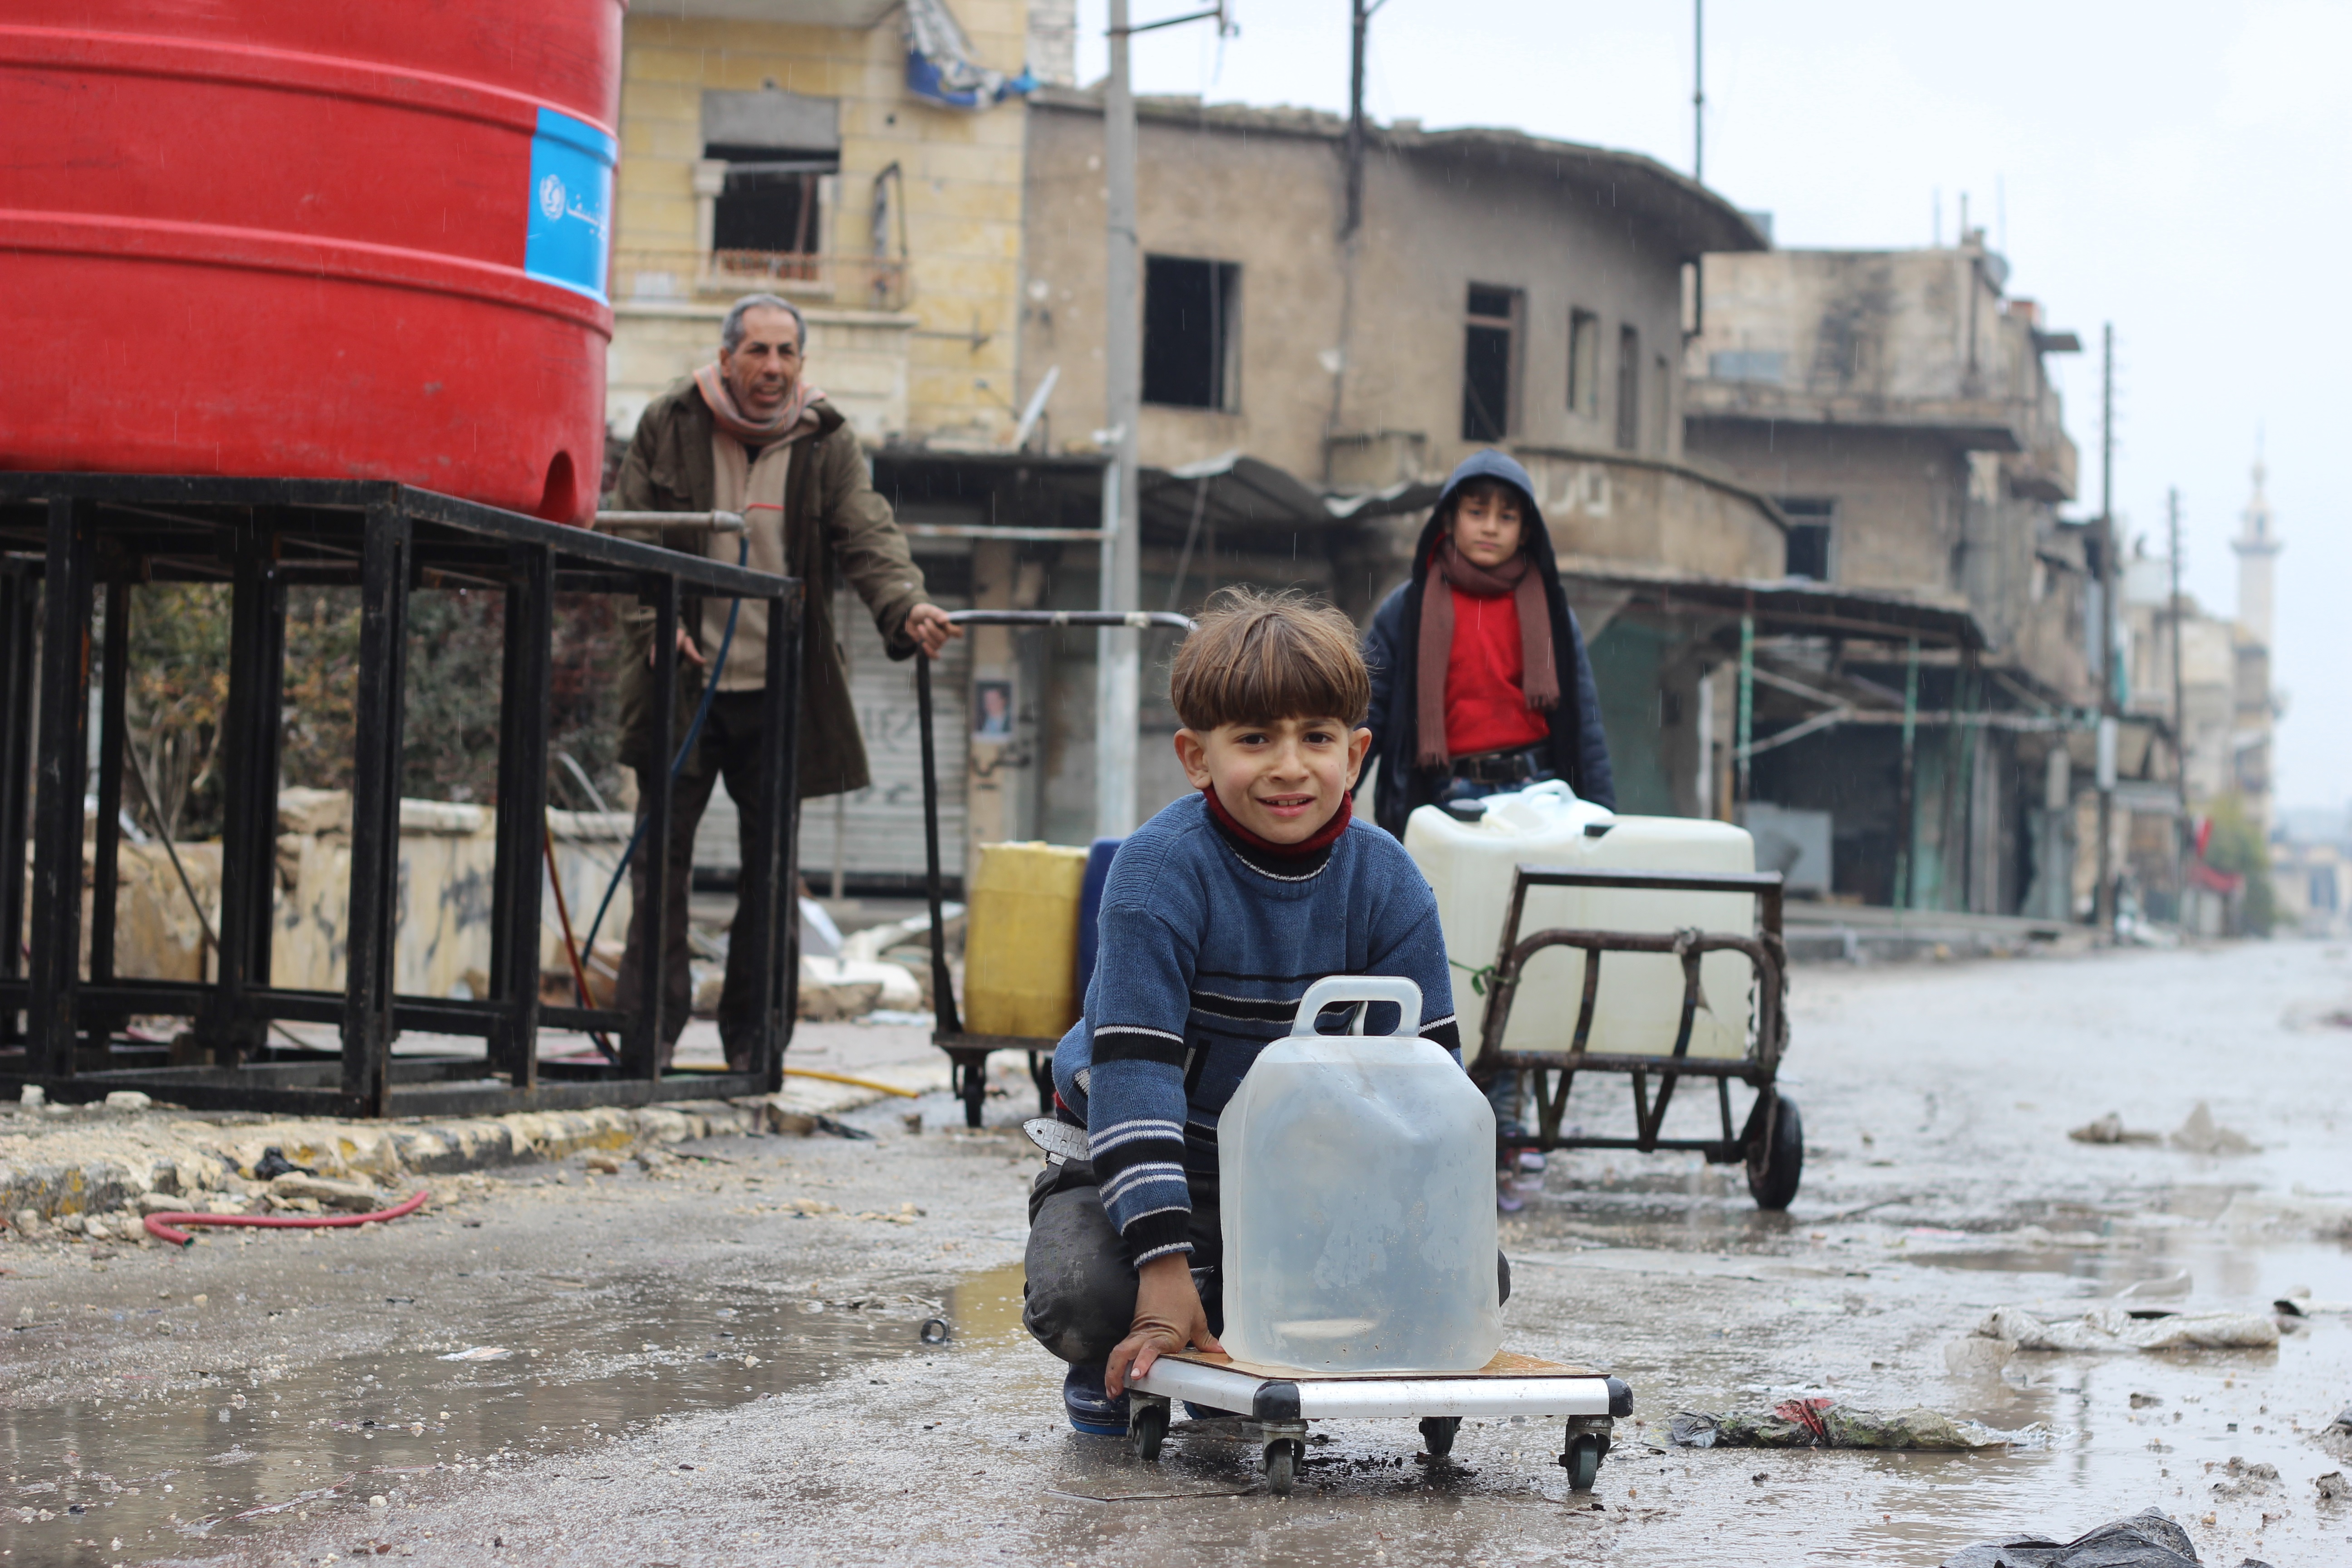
[720,399]
[1448,569]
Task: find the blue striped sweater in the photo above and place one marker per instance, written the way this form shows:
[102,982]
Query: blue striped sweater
[1206,947]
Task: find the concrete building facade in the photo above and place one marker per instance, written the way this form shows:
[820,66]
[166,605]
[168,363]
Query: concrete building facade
[1896,407]
[775,147]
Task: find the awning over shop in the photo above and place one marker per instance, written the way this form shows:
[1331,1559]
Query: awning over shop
[1782,607]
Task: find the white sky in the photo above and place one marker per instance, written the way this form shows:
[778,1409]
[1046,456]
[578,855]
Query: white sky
[2178,169]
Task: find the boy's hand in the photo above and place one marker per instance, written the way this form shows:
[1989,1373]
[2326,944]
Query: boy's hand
[1168,1317]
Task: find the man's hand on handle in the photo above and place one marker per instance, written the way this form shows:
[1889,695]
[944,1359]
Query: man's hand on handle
[1168,1317]
[685,646]
[929,625]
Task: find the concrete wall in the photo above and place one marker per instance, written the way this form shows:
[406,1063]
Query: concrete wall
[1265,189]
[961,182]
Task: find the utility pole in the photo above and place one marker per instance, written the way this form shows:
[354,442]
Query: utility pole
[1118,649]
[2179,700]
[1360,23]
[1699,91]
[2103,900]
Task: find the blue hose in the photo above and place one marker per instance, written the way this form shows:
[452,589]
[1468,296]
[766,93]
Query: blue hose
[676,766]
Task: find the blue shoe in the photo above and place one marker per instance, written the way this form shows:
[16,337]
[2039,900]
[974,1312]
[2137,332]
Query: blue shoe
[1091,1408]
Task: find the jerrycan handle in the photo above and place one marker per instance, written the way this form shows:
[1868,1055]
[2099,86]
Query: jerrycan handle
[1335,989]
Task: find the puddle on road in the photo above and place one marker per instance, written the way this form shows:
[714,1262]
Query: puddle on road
[129,1479]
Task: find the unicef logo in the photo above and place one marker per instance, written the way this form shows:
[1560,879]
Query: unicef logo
[551,197]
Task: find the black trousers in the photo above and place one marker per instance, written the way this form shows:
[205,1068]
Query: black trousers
[735,747]
[1078,1299]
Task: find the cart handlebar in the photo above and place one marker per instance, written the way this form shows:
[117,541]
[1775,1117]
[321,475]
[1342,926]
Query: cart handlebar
[1139,619]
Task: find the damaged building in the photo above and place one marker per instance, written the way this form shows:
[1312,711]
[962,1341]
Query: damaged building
[1898,407]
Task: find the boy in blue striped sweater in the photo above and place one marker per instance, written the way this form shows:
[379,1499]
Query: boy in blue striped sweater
[1217,916]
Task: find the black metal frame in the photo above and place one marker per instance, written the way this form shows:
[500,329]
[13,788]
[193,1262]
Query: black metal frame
[71,535]
[1764,952]
[967,1053]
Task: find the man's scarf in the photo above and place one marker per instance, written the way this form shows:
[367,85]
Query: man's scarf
[720,399]
[1449,568]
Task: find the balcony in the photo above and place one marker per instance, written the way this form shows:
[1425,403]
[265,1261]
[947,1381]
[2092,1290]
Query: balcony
[686,277]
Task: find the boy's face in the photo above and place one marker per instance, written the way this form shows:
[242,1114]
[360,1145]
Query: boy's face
[1282,779]
[1486,527]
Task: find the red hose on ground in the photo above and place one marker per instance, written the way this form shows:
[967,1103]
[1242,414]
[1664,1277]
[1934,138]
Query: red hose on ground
[165,1226]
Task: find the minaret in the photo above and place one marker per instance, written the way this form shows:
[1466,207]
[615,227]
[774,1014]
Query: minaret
[2256,546]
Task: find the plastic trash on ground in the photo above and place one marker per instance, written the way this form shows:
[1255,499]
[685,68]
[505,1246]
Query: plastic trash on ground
[1825,1424]
[2148,1539]
[2114,1329]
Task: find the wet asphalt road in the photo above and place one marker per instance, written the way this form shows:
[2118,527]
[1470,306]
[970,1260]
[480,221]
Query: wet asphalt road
[696,1373]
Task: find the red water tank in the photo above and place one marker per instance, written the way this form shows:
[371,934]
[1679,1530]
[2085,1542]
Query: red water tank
[302,239]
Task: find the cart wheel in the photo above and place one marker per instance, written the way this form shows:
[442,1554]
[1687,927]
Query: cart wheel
[1773,1172]
[1281,1465]
[1437,1433]
[975,1090]
[1146,1431]
[1582,1461]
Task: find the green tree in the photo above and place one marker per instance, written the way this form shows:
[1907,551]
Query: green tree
[2235,845]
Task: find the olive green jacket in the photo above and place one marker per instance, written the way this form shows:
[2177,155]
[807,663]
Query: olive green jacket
[835,528]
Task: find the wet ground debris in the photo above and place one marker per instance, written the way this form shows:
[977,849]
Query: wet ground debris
[2147,1540]
[2201,1135]
[2115,1329]
[2110,1128]
[274,1163]
[1825,1424]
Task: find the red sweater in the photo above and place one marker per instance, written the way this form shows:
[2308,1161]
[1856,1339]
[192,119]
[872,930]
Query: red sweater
[1485,698]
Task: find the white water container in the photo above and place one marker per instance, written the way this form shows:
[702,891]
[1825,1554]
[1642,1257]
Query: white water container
[1639,1007]
[1358,1199]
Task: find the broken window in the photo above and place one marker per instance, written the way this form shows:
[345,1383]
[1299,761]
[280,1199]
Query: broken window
[1190,311]
[1811,520]
[1583,364]
[1489,343]
[1628,389]
[767,155]
[769,200]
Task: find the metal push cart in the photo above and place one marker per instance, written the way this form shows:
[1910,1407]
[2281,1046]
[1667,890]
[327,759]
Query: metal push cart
[1771,1142]
[969,1052]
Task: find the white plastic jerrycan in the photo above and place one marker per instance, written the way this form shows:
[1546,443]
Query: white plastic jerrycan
[1358,1199]
[1470,865]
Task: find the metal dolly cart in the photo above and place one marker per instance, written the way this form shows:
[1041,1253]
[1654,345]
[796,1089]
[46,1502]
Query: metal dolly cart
[1771,1142]
[969,1052]
[1276,1404]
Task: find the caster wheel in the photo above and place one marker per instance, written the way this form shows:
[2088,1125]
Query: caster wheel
[1281,1467]
[1582,1461]
[1776,1150]
[1146,1431]
[1437,1433]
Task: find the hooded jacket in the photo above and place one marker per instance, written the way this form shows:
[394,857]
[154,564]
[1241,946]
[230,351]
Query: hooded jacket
[1577,748]
[835,528]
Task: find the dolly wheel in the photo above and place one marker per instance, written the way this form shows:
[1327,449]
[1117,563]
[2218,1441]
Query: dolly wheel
[1775,1138]
[1582,1461]
[1281,1465]
[1437,1433]
[1146,1431]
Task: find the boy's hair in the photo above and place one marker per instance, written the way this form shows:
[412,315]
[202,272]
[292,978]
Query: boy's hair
[1254,657]
[1487,485]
